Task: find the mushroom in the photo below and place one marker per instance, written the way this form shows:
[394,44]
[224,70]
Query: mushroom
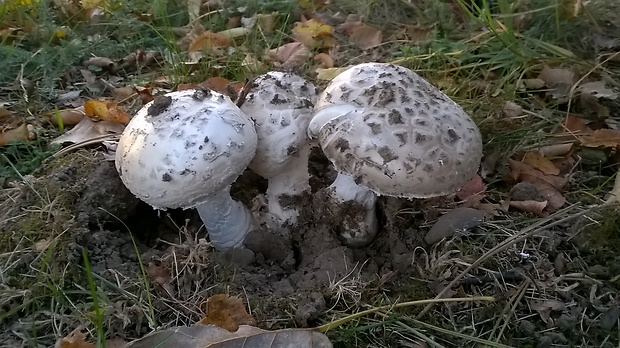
[184,150]
[281,106]
[389,132]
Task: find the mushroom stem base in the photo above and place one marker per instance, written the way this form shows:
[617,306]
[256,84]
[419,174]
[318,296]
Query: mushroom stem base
[226,220]
[354,230]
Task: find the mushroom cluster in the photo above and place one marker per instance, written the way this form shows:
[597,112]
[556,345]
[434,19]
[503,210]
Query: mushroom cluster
[386,131]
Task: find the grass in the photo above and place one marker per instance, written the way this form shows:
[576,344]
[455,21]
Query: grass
[478,57]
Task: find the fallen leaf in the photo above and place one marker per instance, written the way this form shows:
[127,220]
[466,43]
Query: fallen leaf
[68,117]
[227,312]
[146,94]
[160,276]
[14,135]
[104,63]
[325,59]
[472,193]
[209,41]
[556,150]
[418,34]
[512,109]
[545,307]
[362,35]
[524,172]
[534,207]
[105,110]
[314,34]
[290,55]
[202,336]
[233,33]
[598,90]
[555,199]
[87,130]
[329,73]
[121,93]
[601,137]
[538,161]
[76,339]
[558,80]
[216,83]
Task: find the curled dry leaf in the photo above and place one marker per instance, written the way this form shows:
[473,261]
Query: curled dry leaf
[534,207]
[104,63]
[145,93]
[559,80]
[68,117]
[289,55]
[160,276]
[314,34]
[325,60]
[227,312]
[121,93]
[76,339]
[14,135]
[524,172]
[105,110]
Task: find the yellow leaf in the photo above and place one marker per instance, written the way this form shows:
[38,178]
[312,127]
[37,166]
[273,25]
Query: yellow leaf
[314,34]
[105,110]
[329,73]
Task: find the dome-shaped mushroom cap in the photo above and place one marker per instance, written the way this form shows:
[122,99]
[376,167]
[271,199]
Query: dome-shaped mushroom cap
[184,146]
[281,105]
[395,133]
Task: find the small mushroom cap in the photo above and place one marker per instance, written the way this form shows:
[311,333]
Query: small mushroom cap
[281,105]
[182,147]
[395,133]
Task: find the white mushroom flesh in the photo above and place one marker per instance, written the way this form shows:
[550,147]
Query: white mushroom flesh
[187,148]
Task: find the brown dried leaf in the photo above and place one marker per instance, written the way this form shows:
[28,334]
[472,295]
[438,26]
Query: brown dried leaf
[473,192]
[524,172]
[160,276]
[14,135]
[105,110]
[325,59]
[76,339]
[69,117]
[290,55]
[121,93]
[418,34]
[559,80]
[536,160]
[601,137]
[145,93]
[104,63]
[533,207]
[362,35]
[216,83]
[329,73]
[598,90]
[555,199]
[209,41]
[87,130]
[227,312]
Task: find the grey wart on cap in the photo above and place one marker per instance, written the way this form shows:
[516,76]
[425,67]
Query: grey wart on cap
[387,131]
[184,150]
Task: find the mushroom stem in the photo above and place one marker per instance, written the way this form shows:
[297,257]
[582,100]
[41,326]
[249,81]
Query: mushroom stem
[291,181]
[344,189]
[227,221]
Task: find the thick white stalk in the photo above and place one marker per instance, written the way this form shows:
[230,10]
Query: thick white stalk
[345,189]
[226,220]
[291,181]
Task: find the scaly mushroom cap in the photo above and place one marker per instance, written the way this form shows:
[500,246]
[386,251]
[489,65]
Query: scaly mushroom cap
[184,146]
[281,105]
[395,133]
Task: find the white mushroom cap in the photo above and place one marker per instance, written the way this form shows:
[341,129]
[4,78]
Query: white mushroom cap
[183,147]
[395,133]
[281,105]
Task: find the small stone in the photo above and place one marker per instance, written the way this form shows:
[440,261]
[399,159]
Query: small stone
[527,327]
[608,319]
[459,219]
